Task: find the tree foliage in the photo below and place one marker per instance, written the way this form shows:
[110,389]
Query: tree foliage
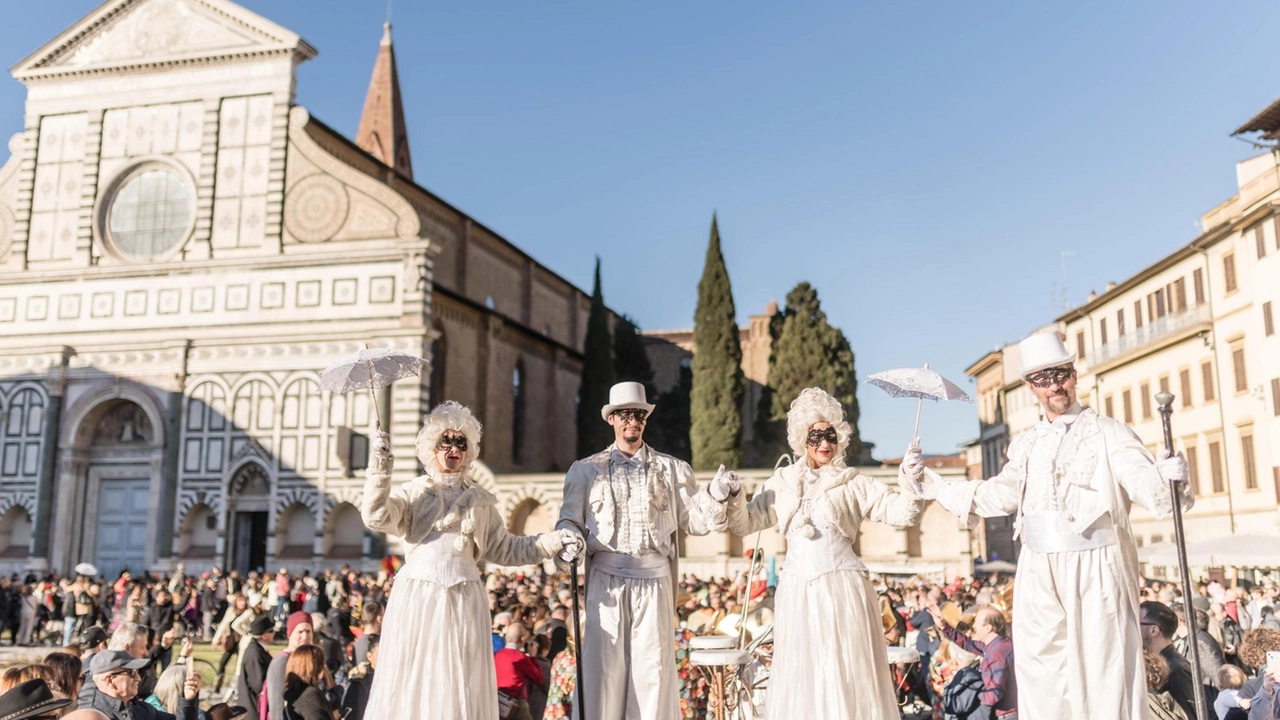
[716,400]
[807,351]
[594,434]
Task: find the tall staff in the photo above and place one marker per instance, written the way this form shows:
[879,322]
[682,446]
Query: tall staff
[1165,401]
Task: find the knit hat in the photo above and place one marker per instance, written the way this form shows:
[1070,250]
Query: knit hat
[296,619]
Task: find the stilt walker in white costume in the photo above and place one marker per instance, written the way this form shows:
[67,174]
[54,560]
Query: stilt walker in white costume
[627,502]
[829,659]
[436,657]
[1070,483]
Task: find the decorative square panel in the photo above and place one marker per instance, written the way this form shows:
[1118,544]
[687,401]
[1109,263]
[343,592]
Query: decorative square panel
[69,307]
[8,309]
[344,291]
[237,297]
[382,289]
[308,293]
[104,304]
[272,296]
[202,299]
[169,301]
[37,307]
[135,302]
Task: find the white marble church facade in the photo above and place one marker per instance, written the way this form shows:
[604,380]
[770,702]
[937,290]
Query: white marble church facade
[183,249]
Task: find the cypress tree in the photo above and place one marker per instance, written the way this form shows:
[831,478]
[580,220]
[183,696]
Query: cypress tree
[715,413]
[670,433]
[807,352]
[630,359]
[594,434]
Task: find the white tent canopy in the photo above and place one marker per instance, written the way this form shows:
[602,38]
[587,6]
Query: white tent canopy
[1243,551]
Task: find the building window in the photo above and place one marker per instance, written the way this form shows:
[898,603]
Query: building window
[1237,365]
[1229,272]
[1275,396]
[1193,469]
[151,211]
[1111,407]
[1120,322]
[1275,471]
[1206,374]
[1080,345]
[518,394]
[1250,468]
[1184,387]
[1146,401]
[1137,313]
[1260,240]
[1197,279]
[1215,466]
[1179,290]
[1268,324]
[1102,331]
[1126,400]
[1164,383]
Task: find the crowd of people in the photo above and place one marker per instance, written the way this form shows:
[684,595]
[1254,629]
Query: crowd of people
[129,655]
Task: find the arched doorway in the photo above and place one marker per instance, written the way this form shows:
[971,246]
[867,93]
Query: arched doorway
[248,513]
[198,534]
[15,533]
[345,539]
[531,518]
[123,458]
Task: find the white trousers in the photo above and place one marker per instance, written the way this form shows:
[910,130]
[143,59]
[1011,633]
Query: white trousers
[1077,647]
[629,650]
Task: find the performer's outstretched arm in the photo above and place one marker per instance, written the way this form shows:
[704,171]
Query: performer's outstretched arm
[746,518]
[382,510]
[503,548]
[699,513]
[883,504]
[969,500]
[1135,468]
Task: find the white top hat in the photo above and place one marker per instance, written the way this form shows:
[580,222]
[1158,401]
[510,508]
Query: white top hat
[623,396]
[1042,351]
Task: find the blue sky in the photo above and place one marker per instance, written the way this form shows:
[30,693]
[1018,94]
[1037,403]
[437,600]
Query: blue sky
[923,164]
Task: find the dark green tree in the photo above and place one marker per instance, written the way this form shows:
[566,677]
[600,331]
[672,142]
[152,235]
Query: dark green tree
[594,434]
[807,351]
[670,429]
[630,358]
[715,414]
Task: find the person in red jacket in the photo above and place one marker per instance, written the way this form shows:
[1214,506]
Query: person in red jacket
[516,671]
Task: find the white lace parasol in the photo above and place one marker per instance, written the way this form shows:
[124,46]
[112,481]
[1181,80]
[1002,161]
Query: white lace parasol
[370,369]
[921,383]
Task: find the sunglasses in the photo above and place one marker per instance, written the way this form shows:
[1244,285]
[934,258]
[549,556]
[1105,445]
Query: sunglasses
[1047,378]
[817,436]
[456,441]
[627,416]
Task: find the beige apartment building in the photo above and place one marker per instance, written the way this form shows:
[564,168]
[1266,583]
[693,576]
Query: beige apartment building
[1199,323]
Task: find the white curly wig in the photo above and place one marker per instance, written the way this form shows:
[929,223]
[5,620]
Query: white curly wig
[815,405]
[448,415]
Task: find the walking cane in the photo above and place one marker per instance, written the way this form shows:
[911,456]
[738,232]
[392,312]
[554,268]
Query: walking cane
[577,643]
[1165,402]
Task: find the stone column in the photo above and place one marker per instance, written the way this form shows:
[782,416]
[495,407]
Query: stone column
[48,465]
[168,494]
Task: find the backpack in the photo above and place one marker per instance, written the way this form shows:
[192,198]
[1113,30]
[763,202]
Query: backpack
[960,699]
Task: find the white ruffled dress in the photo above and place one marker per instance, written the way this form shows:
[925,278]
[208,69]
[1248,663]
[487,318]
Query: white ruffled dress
[829,658]
[435,661]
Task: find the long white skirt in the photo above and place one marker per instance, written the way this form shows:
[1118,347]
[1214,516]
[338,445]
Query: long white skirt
[435,659]
[829,659]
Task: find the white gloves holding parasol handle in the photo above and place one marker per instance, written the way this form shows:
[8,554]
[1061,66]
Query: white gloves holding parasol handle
[381,460]
[724,485]
[912,472]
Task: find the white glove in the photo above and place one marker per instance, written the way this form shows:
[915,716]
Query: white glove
[929,490]
[912,467]
[1172,467]
[571,545]
[380,458]
[724,484]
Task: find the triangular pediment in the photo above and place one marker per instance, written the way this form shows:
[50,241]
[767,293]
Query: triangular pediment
[122,35]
